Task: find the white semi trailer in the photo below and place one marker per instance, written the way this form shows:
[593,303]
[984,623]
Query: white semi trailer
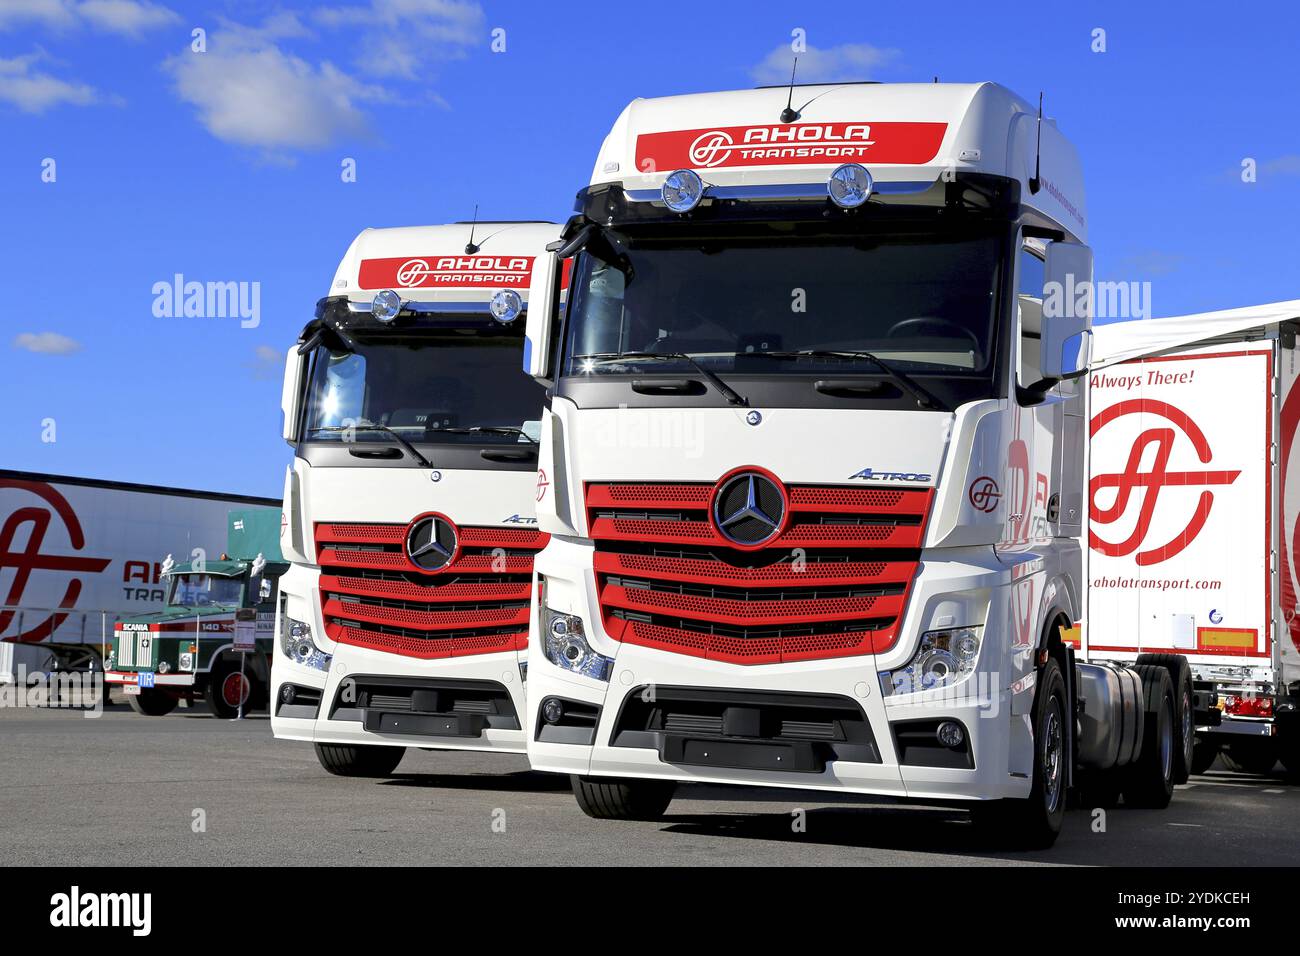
[1193,507]
[813,465]
[78,553]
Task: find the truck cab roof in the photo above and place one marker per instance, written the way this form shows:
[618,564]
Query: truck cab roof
[907,135]
[451,264]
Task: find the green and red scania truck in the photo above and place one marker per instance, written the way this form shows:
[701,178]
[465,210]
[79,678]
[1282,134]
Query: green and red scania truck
[213,639]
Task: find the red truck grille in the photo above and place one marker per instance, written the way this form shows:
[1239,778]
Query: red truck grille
[373,596]
[833,583]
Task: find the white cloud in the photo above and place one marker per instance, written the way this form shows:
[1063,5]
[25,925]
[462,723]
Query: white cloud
[130,17]
[401,38]
[35,91]
[46,343]
[1288,165]
[250,92]
[836,64]
[267,363]
[1152,262]
[57,14]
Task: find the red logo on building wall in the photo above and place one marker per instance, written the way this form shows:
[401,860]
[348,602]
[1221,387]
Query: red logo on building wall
[1146,487]
[26,558]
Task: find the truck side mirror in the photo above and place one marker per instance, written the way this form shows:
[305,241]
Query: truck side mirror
[1067,310]
[541,317]
[295,366]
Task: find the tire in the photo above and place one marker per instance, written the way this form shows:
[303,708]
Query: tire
[224,690]
[1257,757]
[152,702]
[1203,755]
[1180,674]
[1149,783]
[611,798]
[361,760]
[1035,822]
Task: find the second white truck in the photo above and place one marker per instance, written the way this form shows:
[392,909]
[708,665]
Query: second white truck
[403,618]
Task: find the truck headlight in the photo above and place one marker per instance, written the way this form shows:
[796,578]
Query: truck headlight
[944,658]
[565,641]
[297,644]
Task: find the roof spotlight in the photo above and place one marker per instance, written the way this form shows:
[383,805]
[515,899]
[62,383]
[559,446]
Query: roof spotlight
[386,305]
[506,306]
[849,186]
[682,190]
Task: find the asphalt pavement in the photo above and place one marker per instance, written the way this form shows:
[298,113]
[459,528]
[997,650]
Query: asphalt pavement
[193,790]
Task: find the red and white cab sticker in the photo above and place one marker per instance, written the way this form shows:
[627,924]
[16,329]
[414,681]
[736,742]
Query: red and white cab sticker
[792,144]
[446,272]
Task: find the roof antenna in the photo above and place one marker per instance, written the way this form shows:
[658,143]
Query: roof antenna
[470,248]
[789,114]
[1035,183]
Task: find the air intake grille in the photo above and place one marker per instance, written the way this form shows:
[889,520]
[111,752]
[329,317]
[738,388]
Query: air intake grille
[372,596]
[834,583]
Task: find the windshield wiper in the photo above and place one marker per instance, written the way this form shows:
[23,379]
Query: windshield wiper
[903,381]
[375,427]
[732,396]
[482,429]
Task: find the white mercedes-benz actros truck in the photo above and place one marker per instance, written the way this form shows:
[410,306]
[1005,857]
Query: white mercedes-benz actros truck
[408,509]
[813,464]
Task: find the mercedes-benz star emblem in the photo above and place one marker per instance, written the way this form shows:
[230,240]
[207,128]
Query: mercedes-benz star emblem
[749,509]
[431,543]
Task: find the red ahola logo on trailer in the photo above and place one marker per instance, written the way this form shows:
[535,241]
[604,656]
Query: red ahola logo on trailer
[29,559]
[1150,484]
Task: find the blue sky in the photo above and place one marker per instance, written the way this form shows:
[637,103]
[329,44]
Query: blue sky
[225,166]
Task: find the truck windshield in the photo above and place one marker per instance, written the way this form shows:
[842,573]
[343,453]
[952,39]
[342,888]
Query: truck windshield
[922,303]
[191,590]
[450,387]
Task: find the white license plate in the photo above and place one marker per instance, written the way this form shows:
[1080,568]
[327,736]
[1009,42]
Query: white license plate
[132,690]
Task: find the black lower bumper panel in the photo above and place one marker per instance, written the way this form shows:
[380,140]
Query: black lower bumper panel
[793,757]
[423,725]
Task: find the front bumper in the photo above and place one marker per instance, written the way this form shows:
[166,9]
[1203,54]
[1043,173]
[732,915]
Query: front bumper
[707,750]
[368,696]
